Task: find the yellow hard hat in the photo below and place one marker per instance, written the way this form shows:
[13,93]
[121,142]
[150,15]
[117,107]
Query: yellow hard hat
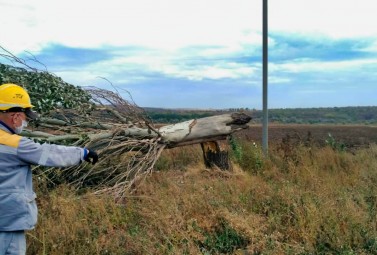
[12,95]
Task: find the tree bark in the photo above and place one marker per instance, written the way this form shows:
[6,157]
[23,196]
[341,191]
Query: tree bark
[204,129]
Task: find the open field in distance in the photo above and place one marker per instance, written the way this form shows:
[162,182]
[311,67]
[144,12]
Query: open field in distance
[352,136]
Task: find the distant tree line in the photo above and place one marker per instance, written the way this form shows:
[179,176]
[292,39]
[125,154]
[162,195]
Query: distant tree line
[329,115]
[336,115]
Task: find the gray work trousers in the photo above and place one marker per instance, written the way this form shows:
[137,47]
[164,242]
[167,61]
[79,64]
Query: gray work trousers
[12,243]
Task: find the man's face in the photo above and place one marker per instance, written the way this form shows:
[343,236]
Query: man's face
[16,119]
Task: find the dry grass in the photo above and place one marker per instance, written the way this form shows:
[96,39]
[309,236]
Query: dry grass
[314,201]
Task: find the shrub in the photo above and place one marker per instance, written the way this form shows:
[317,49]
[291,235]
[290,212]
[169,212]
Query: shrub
[248,155]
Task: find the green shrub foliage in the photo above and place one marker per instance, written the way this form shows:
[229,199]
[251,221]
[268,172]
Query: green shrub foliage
[46,90]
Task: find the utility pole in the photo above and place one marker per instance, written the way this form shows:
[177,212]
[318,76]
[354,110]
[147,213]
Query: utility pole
[265,78]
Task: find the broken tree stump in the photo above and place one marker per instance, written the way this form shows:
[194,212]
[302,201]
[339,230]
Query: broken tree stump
[215,156]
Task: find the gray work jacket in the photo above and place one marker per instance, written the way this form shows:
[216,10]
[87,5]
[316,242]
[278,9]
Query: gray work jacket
[18,209]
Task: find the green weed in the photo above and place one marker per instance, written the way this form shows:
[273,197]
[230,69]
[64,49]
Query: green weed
[334,144]
[223,239]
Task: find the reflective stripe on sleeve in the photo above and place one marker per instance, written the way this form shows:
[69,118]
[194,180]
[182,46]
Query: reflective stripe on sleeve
[44,156]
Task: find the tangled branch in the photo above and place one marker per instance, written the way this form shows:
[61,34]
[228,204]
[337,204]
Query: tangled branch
[118,130]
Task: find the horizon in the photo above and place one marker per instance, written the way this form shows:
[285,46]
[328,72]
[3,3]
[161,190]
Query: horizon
[255,109]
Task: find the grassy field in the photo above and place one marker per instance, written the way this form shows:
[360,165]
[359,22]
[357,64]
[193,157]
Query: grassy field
[308,197]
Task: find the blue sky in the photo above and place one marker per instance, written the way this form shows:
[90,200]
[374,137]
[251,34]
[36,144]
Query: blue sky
[203,53]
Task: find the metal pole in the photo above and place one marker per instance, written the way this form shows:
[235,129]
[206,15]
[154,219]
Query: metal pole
[265,78]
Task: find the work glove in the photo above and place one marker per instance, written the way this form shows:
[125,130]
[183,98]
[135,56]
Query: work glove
[91,156]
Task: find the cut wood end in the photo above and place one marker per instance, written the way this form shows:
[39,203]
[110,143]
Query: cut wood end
[239,118]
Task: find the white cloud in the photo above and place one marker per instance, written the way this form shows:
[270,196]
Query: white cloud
[211,72]
[162,24]
[278,80]
[372,48]
[308,66]
[173,67]
[336,18]
[172,24]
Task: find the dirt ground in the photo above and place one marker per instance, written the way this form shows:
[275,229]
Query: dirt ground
[350,135]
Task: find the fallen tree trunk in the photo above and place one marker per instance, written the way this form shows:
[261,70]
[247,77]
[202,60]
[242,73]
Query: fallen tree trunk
[203,130]
[184,133]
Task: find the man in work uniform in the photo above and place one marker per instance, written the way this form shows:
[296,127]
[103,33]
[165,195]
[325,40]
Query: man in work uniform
[18,209]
